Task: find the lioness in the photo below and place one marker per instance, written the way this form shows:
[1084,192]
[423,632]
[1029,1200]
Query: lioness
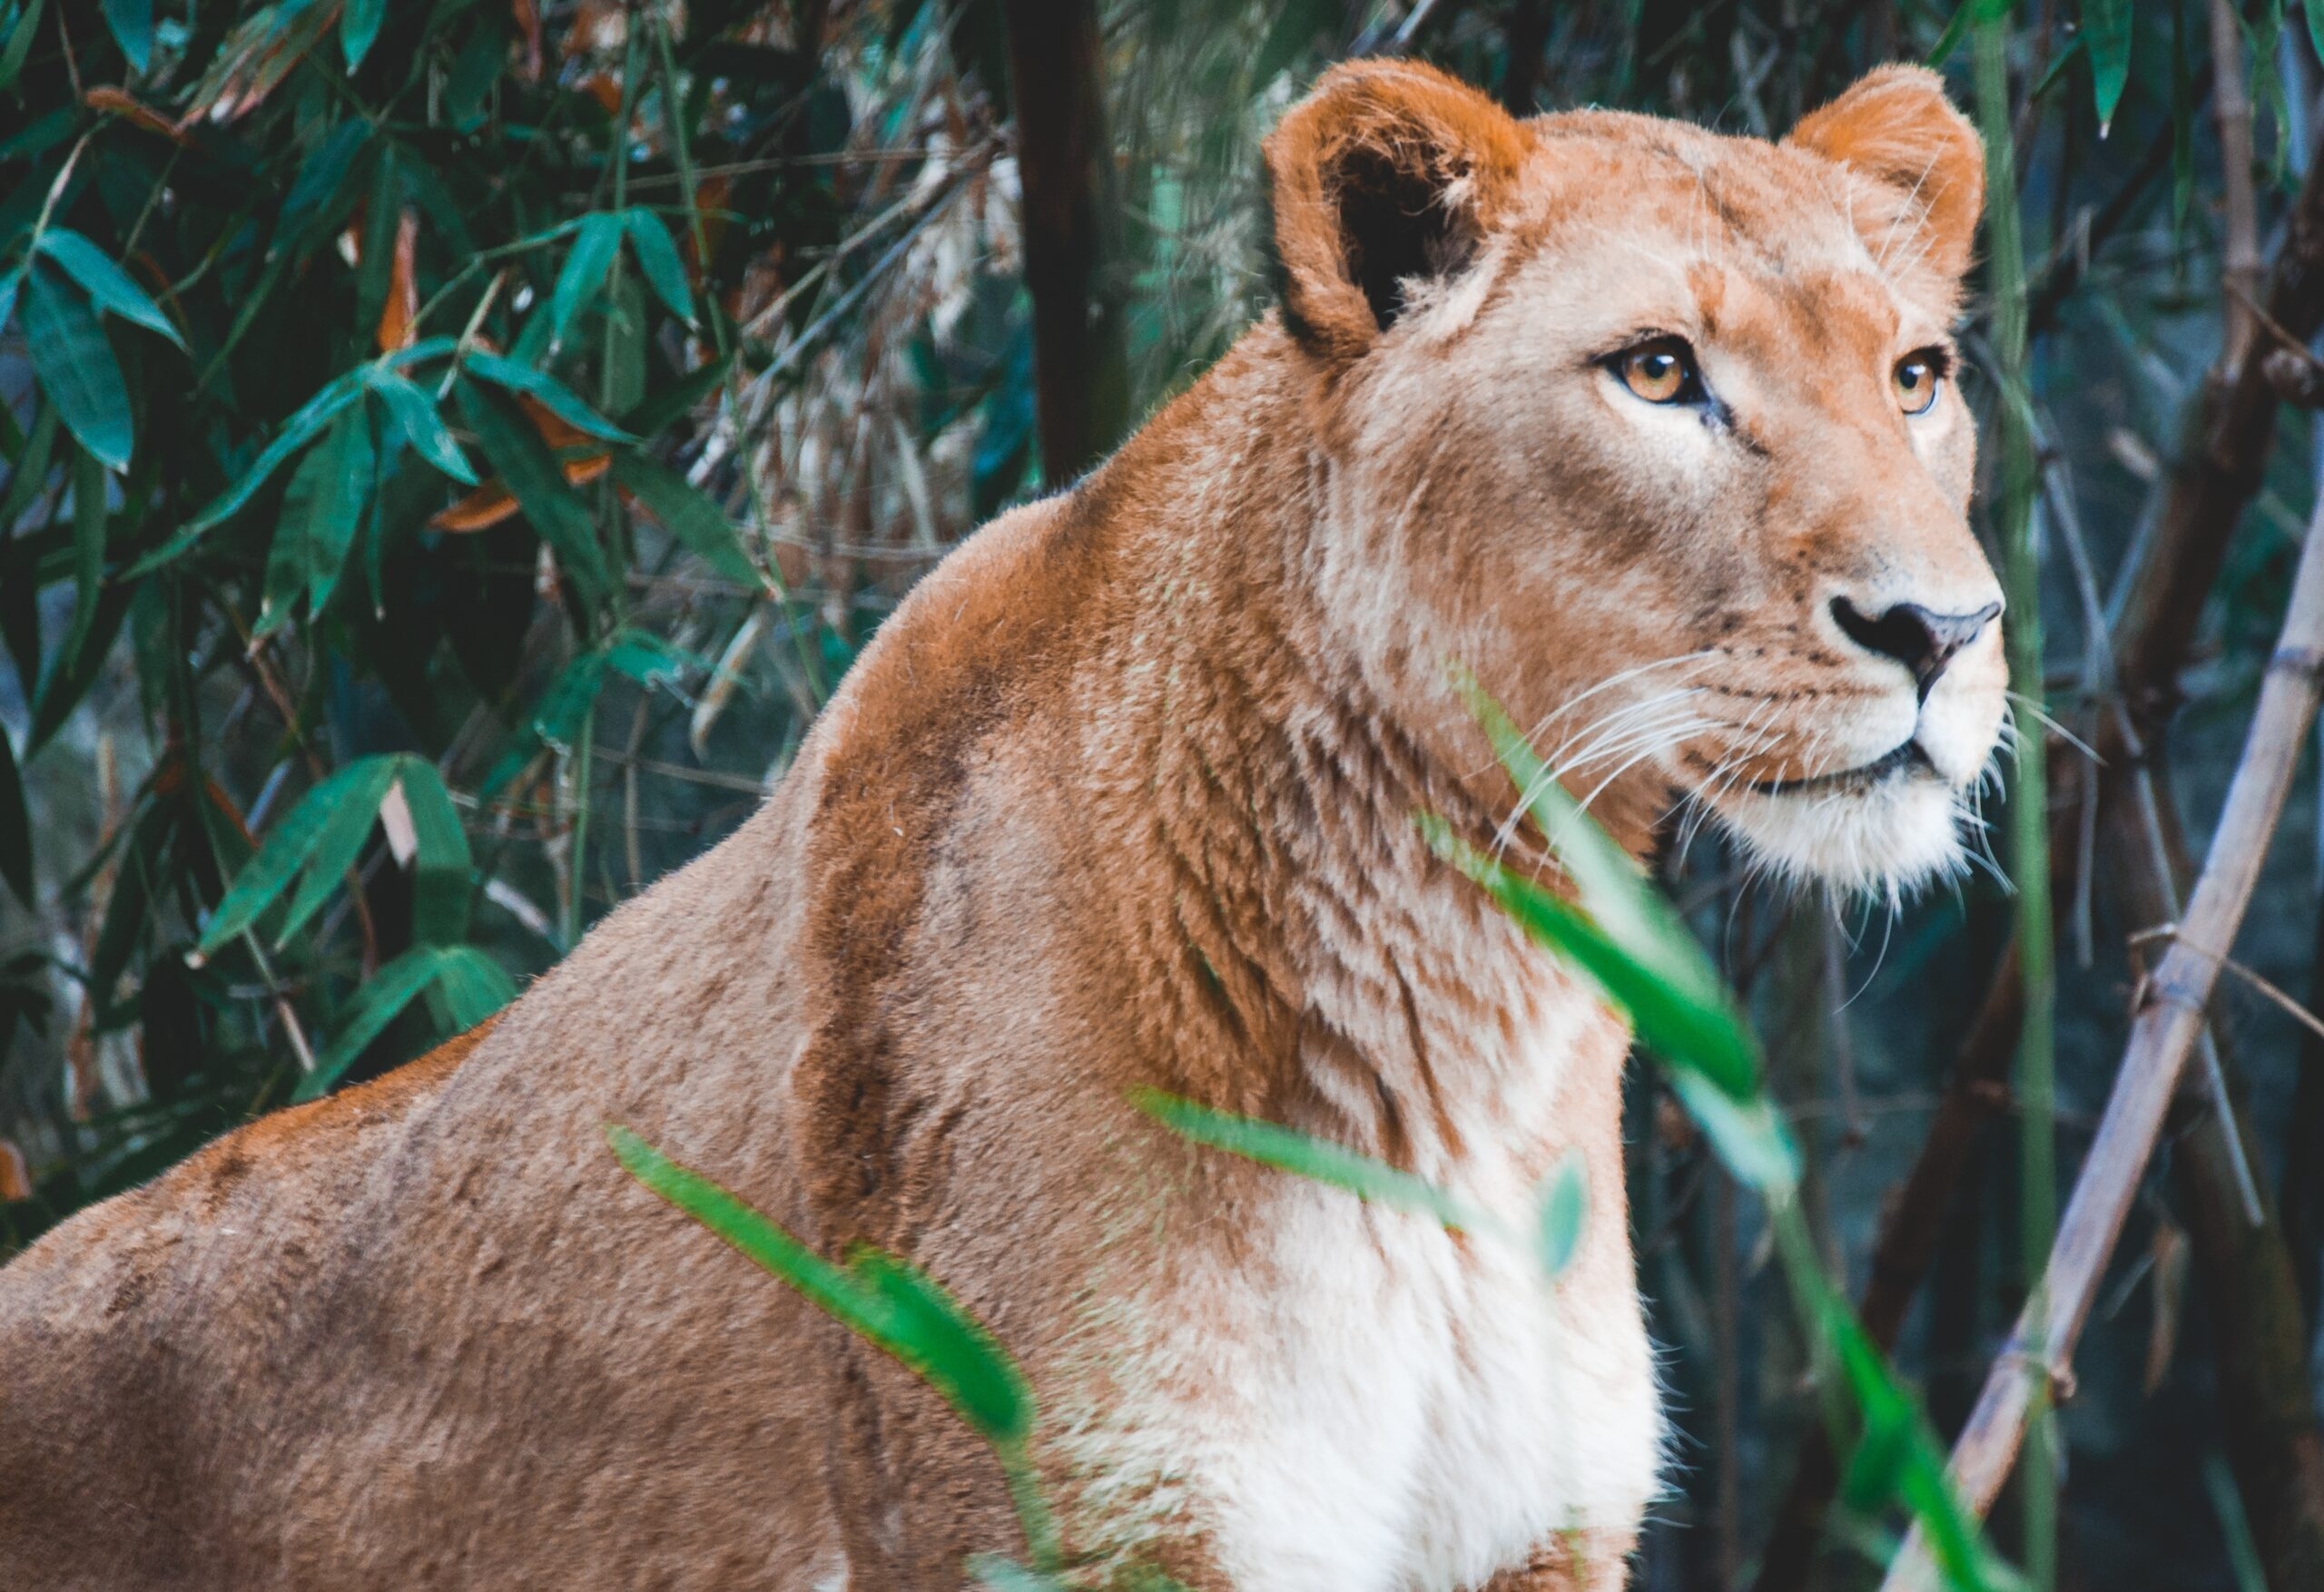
[1650,428]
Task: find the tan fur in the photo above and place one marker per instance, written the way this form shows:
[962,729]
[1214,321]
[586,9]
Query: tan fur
[1122,796]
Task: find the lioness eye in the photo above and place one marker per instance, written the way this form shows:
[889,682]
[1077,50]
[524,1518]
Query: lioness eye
[1917,378]
[1660,372]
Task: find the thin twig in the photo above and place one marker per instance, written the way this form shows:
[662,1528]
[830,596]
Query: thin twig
[2176,999]
[2250,975]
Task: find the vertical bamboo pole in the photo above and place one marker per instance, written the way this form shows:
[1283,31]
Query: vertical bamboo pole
[2028,808]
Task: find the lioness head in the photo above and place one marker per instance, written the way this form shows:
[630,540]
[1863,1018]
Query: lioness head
[1656,430]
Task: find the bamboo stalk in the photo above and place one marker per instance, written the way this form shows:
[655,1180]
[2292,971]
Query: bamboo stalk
[2171,1018]
[2232,106]
[2029,803]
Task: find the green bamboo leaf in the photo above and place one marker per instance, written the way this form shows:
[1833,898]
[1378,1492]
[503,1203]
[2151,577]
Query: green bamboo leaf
[1950,39]
[1564,1212]
[324,190]
[442,861]
[269,872]
[286,574]
[376,1004]
[331,536]
[569,701]
[15,831]
[131,22]
[934,1335]
[10,286]
[678,400]
[472,984]
[1690,1033]
[90,522]
[885,1302]
[531,471]
[71,674]
[657,257]
[20,43]
[1747,1136]
[339,844]
[1613,890]
[2106,30]
[359,25]
[128,914]
[30,475]
[553,395]
[689,516]
[648,659]
[415,415]
[2314,11]
[1005,1574]
[595,245]
[1293,1151]
[299,430]
[109,287]
[75,365]
[321,508]
[2058,67]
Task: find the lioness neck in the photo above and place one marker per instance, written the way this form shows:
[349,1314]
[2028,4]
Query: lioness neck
[1259,775]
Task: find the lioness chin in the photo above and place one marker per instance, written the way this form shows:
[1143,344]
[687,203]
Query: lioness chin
[1651,430]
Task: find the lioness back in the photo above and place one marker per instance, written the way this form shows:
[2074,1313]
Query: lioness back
[1646,427]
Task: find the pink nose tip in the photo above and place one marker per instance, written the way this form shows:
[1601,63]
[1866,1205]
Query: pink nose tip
[1923,642]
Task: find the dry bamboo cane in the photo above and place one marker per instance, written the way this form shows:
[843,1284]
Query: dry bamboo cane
[2170,1020]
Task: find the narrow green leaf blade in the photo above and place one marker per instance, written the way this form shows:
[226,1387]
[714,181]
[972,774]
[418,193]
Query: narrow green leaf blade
[473,986]
[331,535]
[321,507]
[415,413]
[75,366]
[689,516]
[2106,30]
[1293,1151]
[378,1003]
[299,430]
[1563,1214]
[835,1290]
[595,245]
[441,862]
[359,26]
[15,831]
[569,701]
[887,1302]
[277,861]
[131,22]
[657,257]
[1691,1034]
[108,286]
[339,845]
[20,43]
[934,1335]
[679,398]
[552,394]
[524,462]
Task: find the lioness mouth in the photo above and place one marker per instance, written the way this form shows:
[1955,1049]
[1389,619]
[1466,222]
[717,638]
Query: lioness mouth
[1905,756]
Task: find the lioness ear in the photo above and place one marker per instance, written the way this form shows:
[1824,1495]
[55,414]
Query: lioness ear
[1897,127]
[1387,171]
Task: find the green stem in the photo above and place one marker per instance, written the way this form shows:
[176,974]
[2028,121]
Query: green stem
[2029,804]
[577,782]
[674,112]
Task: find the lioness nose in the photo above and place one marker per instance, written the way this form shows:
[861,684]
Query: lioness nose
[1923,642]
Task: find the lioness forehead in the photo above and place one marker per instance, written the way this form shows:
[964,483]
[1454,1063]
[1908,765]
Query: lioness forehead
[1732,238]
